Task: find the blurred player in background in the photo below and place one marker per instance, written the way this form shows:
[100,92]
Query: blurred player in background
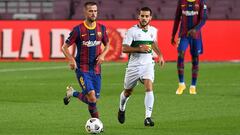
[88,37]
[192,14]
[139,42]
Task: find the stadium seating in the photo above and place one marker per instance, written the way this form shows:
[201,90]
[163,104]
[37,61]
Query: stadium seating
[109,9]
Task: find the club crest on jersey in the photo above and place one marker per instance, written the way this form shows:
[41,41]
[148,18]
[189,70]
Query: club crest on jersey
[196,5]
[99,34]
[91,43]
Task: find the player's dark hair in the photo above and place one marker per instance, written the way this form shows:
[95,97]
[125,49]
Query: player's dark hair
[146,9]
[91,3]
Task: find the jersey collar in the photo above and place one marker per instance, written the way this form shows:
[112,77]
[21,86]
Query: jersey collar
[144,30]
[90,28]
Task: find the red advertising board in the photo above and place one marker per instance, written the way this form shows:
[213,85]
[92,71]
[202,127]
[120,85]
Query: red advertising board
[42,40]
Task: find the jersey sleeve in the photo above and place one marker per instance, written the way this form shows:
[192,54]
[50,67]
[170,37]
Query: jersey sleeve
[128,39]
[177,18]
[202,15]
[105,39]
[155,39]
[72,37]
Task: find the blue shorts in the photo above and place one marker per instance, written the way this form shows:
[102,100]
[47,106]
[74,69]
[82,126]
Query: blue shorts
[196,46]
[89,81]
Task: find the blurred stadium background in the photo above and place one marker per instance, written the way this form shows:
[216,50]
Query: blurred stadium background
[47,23]
[33,73]
[109,9]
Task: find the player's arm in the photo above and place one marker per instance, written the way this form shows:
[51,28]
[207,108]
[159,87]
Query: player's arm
[176,23]
[203,15]
[100,59]
[70,41]
[158,52]
[203,18]
[71,61]
[128,49]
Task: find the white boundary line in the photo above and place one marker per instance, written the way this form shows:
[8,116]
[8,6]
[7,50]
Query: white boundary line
[48,68]
[31,69]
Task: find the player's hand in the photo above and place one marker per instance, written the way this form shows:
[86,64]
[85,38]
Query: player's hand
[161,61]
[100,59]
[144,48]
[72,64]
[192,32]
[173,42]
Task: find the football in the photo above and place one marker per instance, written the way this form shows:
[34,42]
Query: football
[94,126]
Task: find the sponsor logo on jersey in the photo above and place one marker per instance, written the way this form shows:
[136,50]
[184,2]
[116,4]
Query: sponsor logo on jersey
[190,13]
[91,43]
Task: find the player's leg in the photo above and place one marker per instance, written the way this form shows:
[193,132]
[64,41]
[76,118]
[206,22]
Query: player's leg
[93,94]
[148,102]
[69,94]
[74,93]
[92,104]
[130,81]
[180,64]
[124,96]
[196,49]
[195,68]
[148,78]
[83,80]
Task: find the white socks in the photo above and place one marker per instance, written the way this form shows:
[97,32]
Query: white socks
[149,101]
[123,101]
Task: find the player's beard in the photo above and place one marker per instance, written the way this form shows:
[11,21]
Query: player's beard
[143,24]
[91,20]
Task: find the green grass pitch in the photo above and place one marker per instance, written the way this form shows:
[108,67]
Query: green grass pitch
[31,101]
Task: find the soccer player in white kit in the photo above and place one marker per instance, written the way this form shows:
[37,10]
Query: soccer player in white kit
[140,42]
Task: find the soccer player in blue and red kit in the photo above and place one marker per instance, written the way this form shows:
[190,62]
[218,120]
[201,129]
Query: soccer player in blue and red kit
[192,14]
[87,37]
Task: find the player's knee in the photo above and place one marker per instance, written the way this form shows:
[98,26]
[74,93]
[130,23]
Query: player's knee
[128,92]
[181,54]
[195,58]
[91,96]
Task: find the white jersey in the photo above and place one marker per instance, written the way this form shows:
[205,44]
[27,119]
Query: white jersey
[136,36]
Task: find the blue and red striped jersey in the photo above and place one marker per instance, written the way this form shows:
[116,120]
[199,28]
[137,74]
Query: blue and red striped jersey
[192,14]
[88,42]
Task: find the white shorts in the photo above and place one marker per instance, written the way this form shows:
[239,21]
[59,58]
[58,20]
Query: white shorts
[138,73]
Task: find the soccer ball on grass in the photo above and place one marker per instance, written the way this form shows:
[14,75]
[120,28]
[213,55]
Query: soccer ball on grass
[94,126]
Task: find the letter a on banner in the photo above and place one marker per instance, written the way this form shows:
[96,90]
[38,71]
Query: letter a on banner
[31,44]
